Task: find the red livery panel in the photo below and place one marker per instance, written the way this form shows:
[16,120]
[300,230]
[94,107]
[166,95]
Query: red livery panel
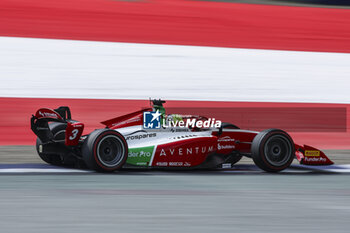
[47,113]
[185,153]
[73,133]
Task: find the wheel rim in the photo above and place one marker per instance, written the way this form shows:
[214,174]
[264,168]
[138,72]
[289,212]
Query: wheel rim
[110,151]
[278,150]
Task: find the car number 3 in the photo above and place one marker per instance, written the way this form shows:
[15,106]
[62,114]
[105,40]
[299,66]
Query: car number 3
[74,134]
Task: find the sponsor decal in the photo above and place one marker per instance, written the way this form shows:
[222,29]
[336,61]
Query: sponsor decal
[179,130]
[142,163]
[140,136]
[187,164]
[176,164]
[140,156]
[226,139]
[173,164]
[225,147]
[187,151]
[162,164]
[315,159]
[151,120]
[312,153]
[48,114]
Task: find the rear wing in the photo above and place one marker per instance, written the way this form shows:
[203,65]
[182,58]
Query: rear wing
[40,125]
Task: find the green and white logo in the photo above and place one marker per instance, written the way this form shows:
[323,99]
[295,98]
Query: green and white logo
[140,156]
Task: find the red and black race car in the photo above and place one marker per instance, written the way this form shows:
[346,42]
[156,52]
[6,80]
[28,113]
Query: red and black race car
[150,138]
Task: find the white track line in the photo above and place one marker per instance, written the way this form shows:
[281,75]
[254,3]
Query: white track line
[344,168]
[82,69]
[42,170]
[238,169]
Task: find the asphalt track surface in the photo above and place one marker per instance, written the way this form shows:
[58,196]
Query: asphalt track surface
[172,201]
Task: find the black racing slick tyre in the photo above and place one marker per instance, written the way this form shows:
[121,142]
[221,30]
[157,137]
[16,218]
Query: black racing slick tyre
[273,150]
[105,150]
[58,130]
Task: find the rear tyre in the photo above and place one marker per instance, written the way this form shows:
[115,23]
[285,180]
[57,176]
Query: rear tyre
[58,130]
[105,150]
[273,150]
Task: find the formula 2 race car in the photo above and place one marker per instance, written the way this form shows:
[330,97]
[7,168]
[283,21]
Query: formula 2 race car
[151,139]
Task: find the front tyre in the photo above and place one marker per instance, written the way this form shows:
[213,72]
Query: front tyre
[273,150]
[105,150]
